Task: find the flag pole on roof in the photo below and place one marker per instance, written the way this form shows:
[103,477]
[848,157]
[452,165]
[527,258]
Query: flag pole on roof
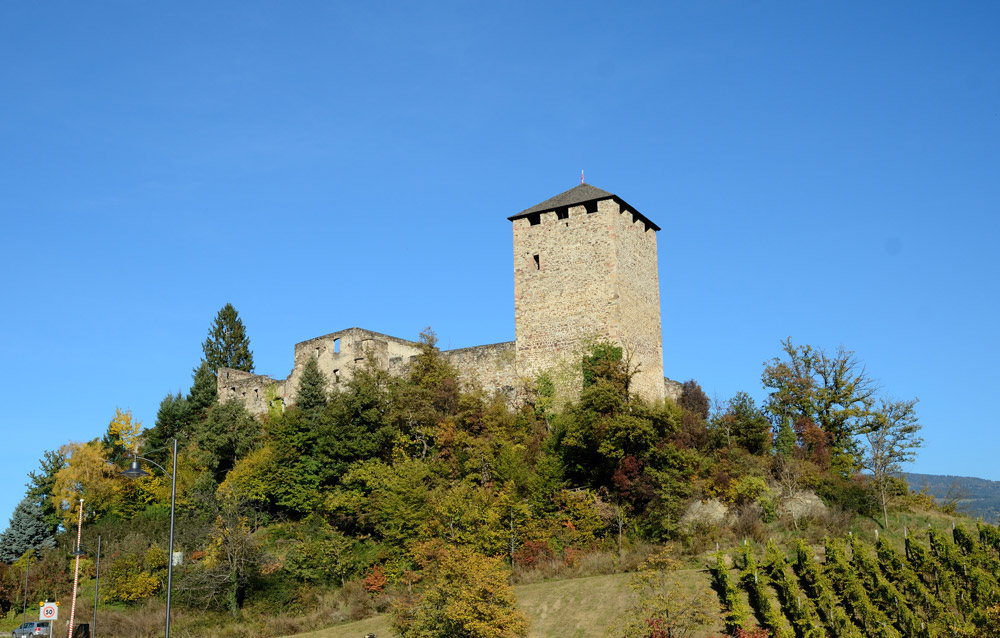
[581,175]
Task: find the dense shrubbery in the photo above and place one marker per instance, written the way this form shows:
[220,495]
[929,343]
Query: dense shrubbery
[345,489]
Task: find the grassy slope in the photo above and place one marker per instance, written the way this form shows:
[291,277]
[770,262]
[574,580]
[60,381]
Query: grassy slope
[585,607]
[578,608]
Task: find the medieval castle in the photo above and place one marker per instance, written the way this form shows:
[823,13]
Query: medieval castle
[585,266]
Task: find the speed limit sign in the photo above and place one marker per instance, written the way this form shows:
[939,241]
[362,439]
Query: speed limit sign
[49,611]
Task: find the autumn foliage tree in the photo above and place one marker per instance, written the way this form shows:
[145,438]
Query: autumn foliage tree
[830,389]
[465,594]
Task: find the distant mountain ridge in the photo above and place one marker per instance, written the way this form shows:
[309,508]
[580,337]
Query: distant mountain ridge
[973,496]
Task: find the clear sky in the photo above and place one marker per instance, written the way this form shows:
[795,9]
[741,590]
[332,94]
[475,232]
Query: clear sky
[828,171]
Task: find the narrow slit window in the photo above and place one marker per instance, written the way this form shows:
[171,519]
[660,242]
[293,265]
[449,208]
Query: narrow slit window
[336,376]
[317,353]
[538,262]
[336,346]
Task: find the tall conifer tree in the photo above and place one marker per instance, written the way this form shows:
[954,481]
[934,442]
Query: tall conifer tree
[227,345]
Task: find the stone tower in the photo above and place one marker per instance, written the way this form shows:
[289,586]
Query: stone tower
[585,265]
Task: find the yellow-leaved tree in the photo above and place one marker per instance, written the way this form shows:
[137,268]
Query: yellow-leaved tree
[86,475]
[465,594]
[124,431]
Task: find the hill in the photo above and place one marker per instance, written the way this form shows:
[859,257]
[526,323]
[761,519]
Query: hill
[975,497]
[573,608]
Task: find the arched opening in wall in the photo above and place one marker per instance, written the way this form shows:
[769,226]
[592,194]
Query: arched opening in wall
[336,345]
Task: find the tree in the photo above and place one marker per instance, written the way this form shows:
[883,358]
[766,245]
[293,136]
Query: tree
[172,421]
[311,397]
[28,530]
[784,439]
[891,437]
[832,390]
[233,560]
[204,392]
[227,434]
[42,485]
[227,345]
[121,439]
[466,595]
[745,424]
[695,405]
[668,606]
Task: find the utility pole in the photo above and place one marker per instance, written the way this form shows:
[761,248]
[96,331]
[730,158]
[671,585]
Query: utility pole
[27,565]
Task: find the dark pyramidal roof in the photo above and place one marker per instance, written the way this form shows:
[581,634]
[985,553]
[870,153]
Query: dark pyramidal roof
[582,194]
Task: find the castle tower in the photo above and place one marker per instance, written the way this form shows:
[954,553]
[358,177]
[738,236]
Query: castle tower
[585,265]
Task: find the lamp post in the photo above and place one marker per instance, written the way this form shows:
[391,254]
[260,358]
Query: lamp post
[135,471]
[80,551]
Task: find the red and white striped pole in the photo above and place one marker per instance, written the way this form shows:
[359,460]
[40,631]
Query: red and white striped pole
[76,574]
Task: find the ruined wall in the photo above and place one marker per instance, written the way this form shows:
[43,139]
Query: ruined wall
[673,389]
[338,355]
[584,272]
[248,388]
[492,367]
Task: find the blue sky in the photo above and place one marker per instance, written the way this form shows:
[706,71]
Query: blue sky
[825,171]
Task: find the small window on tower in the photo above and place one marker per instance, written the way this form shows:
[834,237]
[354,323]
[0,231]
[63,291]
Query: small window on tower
[591,207]
[534,219]
[336,376]
[538,263]
[336,346]
[562,213]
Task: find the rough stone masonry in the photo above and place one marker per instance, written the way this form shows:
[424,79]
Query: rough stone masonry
[585,268]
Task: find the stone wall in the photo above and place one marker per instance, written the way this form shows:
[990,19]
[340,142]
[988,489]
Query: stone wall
[492,367]
[340,353]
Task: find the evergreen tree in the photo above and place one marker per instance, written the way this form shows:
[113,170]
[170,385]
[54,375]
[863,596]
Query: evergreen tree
[42,486]
[311,397]
[227,434]
[172,421]
[784,440]
[227,345]
[204,392]
[28,530]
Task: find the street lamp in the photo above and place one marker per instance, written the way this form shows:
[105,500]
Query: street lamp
[135,471]
[80,551]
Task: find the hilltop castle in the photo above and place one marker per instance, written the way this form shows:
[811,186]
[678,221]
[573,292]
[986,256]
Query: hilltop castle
[585,266]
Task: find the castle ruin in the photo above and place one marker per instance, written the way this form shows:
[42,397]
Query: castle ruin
[585,267]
